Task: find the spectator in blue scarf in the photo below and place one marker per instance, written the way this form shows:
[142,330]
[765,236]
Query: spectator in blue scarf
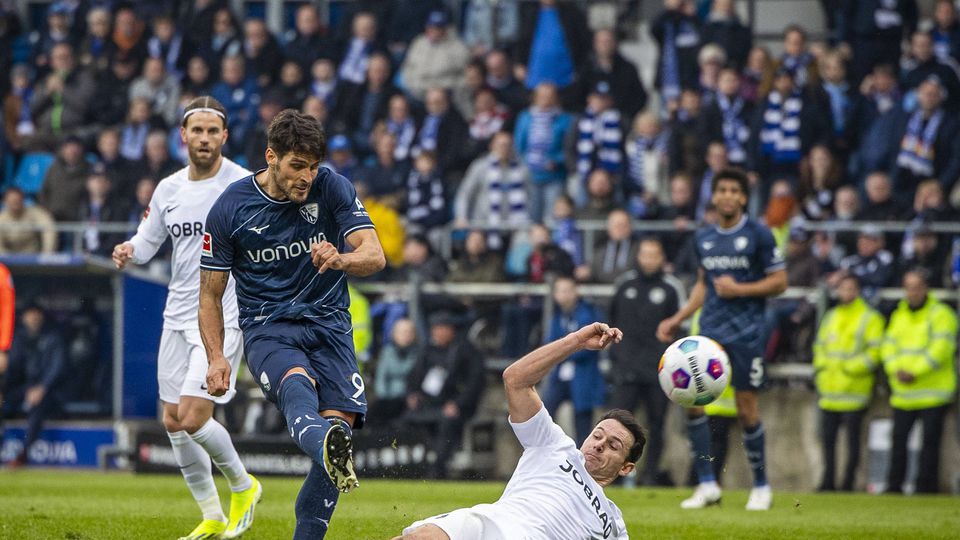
[928,144]
[539,137]
[786,124]
[946,31]
[677,32]
[728,117]
[797,59]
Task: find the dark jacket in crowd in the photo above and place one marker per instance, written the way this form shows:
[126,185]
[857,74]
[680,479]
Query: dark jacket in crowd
[689,69]
[350,105]
[37,360]
[943,73]
[861,18]
[113,210]
[80,88]
[63,187]
[629,96]
[735,38]
[382,179]
[265,67]
[946,155]
[463,366]
[639,304]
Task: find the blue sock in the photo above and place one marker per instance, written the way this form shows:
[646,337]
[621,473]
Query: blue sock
[315,504]
[753,442]
[698,430]
[299,404]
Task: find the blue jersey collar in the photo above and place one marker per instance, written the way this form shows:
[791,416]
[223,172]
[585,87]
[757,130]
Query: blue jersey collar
[263,193]
[735,228]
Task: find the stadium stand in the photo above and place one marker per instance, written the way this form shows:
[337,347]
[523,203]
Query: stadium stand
[460,121]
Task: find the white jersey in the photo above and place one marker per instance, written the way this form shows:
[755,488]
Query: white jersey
[179,209]
[550,495]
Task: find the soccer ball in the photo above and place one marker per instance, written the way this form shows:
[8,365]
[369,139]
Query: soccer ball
[694,371]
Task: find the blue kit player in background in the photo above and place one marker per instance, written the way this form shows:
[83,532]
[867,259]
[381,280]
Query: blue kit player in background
[290,234]
[740,266]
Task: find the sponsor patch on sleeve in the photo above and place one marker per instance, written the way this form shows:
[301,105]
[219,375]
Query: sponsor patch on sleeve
[206,249]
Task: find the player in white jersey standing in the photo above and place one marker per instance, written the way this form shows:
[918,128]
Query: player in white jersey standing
[556,492]
[179,209]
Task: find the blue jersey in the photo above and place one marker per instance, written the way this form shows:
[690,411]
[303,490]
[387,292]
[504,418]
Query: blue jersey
[747,252]
[266,243]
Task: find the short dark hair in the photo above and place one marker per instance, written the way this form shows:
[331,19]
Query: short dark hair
[920,272]
[293,131]
[852,277]
[731,173]
[630,422]
[795,28]
[204,102]
[651,239]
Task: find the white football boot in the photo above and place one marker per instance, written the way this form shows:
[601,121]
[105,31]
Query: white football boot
[706,494]
[761,498]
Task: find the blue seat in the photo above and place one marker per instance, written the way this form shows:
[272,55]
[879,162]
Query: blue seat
[31,172]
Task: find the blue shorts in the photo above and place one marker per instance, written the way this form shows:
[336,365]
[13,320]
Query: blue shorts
[325,353]
[746,360]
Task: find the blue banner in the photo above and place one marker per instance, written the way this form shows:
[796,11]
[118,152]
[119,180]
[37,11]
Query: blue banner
[60,447]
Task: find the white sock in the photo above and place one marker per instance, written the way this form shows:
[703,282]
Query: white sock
[195,465]
[211,509]
[213,437]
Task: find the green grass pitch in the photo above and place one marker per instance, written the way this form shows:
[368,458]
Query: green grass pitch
[51,504]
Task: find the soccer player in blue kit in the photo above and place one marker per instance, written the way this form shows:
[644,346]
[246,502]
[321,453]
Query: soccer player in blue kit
[740,266]
[290,234]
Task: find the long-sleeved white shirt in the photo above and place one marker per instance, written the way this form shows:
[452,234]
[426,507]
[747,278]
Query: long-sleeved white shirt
[179,209]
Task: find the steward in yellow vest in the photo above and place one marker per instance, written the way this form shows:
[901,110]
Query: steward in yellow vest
[919,357]
[845,355]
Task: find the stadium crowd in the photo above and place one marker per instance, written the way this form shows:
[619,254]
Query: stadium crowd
[509,125]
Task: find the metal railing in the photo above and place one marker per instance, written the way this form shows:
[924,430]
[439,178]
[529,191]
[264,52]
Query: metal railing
[591,229]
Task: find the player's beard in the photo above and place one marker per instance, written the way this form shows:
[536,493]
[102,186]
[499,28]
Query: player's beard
[288,190]
[204,162]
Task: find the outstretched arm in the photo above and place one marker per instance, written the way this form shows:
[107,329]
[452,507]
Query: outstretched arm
[520,378]
[212,285]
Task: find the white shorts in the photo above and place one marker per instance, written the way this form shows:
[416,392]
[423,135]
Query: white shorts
[464,524]
[182,364]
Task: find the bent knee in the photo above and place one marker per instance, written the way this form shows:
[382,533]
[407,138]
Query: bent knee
[171,424]
[171,421]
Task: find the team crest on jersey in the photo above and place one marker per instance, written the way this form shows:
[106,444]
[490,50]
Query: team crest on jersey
[740,243]
[657,295]
[310,212]
[206,249]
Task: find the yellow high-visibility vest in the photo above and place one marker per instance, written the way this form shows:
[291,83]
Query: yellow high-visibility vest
[922,343]
[846,354]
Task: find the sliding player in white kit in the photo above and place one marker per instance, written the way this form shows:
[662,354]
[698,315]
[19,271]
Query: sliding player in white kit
[179,209]
[556,492]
